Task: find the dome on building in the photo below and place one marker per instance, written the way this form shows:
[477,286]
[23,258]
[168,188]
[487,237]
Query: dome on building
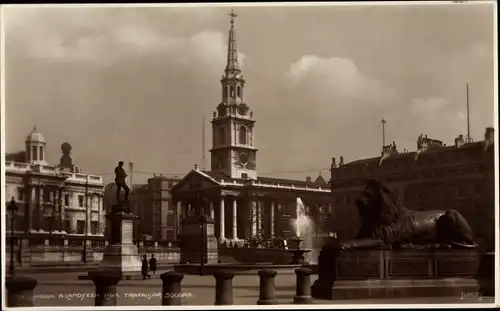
[35,136]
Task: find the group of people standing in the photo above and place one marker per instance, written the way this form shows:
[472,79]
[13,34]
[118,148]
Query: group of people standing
[148,266]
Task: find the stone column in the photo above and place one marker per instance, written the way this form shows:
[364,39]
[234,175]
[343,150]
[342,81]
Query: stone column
[254,217]
[88,209]
[99,214]
[105,287]
[222,220]
[31,208]
[20,291]
[171,289]
[271,219]
[267,288]
[61,208]
[212,210]
[223,287]
[303,289]
[259,216]
[38,213]
[235,219]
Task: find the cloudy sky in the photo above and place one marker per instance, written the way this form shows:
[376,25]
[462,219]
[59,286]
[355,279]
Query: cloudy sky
[134,83]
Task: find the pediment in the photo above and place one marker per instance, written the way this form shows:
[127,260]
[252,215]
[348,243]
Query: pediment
[192,181]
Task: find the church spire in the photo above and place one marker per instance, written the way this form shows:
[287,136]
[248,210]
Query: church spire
[232,52]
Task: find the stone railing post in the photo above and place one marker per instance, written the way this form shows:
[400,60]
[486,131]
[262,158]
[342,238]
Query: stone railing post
[20,291]
[303,290]
[223,288]
[267,289]
[171,290]
[105,286]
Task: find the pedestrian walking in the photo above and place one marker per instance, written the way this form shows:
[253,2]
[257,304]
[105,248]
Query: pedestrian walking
[144,268]
[152,263]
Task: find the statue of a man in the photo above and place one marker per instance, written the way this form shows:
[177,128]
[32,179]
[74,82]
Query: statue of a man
[120,176]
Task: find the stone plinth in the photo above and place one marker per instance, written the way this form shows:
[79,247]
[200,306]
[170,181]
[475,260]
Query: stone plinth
[358,274]
[198,240]
[121,254]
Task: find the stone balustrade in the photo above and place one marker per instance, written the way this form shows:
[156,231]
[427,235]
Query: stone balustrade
[46,251]
[18,167]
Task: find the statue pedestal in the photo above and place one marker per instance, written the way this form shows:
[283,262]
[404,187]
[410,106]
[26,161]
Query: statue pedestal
[121,254]
[198,242]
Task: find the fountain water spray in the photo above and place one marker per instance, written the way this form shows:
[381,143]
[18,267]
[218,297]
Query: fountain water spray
[304,229]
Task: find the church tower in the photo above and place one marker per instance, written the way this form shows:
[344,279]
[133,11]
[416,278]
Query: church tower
[233,152]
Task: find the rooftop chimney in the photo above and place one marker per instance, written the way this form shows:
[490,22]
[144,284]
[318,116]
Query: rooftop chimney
[489,138]
[196,167]
[459,141]
[308,179]
[341,162]
[334,163]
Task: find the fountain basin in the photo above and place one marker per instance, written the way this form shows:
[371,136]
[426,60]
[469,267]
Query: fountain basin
[298,256]
[241,269]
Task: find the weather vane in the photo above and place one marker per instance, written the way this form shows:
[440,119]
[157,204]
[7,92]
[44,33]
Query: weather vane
[233,15]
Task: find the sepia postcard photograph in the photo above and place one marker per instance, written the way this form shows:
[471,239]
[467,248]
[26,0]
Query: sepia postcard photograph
[249,155]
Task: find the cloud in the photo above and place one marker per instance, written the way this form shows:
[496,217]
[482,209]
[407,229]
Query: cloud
[325,73]
[208,47]
[334,85]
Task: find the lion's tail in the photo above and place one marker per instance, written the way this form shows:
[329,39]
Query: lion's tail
[453,228]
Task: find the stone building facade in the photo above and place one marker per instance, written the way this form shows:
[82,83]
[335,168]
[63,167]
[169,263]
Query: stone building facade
[152,203]
[55,199]
[243,204]
[438,177]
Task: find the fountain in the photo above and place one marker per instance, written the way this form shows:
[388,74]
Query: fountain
[303,227]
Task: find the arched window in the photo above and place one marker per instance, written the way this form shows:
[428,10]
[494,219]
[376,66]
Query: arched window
[239,91]
[222,136]
[34,152]
[41,153]
[243,135]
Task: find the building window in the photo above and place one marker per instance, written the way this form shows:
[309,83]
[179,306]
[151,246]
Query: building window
[243,135]
[67,226]
[66,200]
[81,200]
[20,194]
[80,226]
[46,195]
[41,153]
[94,227]
[34,152]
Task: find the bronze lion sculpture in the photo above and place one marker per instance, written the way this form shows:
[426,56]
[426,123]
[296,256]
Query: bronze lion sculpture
[386,221]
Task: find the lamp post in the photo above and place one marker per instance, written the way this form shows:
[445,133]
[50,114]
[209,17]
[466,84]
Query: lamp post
[200,201]
[86,220]
[12,208]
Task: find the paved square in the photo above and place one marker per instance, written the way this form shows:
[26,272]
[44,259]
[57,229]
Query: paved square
[64,289]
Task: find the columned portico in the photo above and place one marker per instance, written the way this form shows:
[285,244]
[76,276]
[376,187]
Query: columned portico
[235,219]
[259,217]
[254,217]
[222,219]
[272,233]
[212,210]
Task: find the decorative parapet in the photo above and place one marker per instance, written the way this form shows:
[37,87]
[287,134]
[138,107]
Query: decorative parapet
[22,168]
[260,184]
